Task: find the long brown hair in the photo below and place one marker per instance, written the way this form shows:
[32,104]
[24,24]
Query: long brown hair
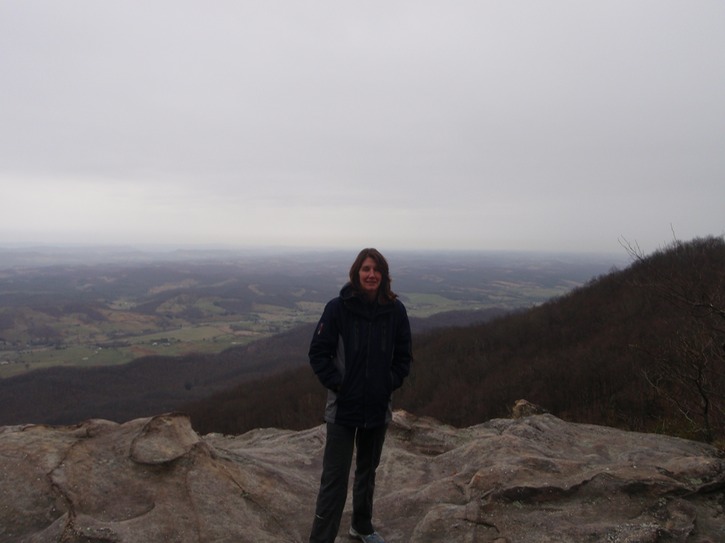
[385,294]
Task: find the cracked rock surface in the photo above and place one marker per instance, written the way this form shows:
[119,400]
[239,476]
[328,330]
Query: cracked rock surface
[535,479]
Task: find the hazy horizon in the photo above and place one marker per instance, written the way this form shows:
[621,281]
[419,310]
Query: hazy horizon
[38,256]
[557,127]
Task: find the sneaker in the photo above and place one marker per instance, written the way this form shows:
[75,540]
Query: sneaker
[370,538]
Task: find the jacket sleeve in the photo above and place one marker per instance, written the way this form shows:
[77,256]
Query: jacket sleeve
[323,348]
[403,353]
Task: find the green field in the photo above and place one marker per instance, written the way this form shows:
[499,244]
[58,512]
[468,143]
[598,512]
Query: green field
[92,344]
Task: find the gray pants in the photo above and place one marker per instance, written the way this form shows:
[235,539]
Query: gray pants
[339,446]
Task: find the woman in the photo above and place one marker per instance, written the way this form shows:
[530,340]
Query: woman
[360,352]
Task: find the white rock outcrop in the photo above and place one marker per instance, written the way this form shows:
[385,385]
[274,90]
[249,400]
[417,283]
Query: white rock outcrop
[531,480]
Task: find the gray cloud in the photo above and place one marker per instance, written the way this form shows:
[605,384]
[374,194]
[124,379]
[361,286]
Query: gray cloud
[557,125]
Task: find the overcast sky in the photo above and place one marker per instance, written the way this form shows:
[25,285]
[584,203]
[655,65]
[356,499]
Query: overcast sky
[528,124]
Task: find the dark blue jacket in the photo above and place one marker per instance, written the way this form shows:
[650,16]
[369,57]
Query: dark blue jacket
[361,352]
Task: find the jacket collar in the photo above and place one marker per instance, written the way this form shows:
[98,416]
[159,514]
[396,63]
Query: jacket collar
[359,304]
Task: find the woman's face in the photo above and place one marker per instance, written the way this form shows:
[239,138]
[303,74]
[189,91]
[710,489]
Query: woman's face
[370,277]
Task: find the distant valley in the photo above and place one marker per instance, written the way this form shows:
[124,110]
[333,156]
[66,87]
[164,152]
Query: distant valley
[97,307]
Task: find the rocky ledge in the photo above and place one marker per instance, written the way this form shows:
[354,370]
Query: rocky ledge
[534,479]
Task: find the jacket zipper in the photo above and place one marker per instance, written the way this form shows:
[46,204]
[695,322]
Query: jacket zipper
[367,365]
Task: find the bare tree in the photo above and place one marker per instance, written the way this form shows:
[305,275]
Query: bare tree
[688,370]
